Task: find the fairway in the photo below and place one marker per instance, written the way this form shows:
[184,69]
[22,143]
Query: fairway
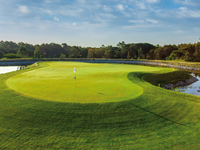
[112,107]
[95,83]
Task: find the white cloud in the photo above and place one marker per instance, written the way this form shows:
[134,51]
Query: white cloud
[152,1]
[48,11]
[123,9]
[106,15]
[70,11]
[142,21]
[99,19]
[141,26]
[141,5]
[85,26]
[185,12]
[183,9]
[136,21]
[186,2]
[55,18]
[25,24]
[81,1]
[107,9]
[152,21]
[47,1]
[23,9]
[120,7]
[179,31]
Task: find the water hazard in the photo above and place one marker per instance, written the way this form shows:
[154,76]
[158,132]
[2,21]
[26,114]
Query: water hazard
[6,69]
[193,88]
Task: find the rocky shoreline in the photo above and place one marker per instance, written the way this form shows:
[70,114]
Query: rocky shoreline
[180,83]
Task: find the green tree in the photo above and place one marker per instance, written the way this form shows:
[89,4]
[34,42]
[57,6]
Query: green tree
[158,53]
[75,52]
[150,54]
[121,47]
[8,47]
[1,54]
[140,53]
[187,56]
[90,53]
[128,55]
[66,48]
[197,52]
[84,52]
[23,52]
[62,56]
[37,52]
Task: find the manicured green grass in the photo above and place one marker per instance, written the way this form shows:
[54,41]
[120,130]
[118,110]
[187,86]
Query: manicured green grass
[94,83]
[156,119]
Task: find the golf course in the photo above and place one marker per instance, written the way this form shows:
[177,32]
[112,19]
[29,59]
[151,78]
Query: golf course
[107,106]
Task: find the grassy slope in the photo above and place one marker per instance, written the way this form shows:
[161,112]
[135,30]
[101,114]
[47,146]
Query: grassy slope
[157,119]
[165,78]
[100,81]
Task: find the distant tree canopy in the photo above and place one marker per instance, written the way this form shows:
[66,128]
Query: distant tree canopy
[1,54]
[37,52]
[187,52]
[23,51]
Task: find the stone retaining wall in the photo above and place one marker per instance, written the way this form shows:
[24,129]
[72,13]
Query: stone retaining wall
[180,83]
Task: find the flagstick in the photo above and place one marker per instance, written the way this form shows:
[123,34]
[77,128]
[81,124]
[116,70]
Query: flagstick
[75,75]
[75,79]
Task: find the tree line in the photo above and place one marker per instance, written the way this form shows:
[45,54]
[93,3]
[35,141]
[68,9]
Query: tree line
[187,52]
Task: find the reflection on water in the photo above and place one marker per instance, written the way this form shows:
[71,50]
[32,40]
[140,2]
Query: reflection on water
[193,88]
[6,69]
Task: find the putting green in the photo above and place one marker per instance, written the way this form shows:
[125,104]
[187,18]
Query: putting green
[95,83]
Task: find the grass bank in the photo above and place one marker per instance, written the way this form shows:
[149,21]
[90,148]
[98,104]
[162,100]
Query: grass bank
[156,119]
[165,78]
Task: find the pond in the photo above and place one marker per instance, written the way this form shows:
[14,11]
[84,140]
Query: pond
[193,88]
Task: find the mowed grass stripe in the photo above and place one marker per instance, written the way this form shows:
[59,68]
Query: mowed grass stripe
[157,119]
[95,82]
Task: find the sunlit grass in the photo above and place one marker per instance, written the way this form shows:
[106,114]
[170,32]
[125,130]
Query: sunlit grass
[94,82]
[156,119]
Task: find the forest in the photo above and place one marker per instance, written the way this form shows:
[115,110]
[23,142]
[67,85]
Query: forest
[182,52]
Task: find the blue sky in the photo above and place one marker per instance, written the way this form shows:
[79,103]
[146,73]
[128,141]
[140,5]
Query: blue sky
[97,22]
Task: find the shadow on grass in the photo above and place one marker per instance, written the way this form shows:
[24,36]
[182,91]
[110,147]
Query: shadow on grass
[139,76]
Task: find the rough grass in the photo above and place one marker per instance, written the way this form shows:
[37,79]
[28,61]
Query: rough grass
[157,119]
[165,78]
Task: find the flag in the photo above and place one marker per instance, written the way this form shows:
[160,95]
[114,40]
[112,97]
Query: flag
[74,70]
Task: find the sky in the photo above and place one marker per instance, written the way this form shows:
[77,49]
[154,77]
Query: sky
[93,23]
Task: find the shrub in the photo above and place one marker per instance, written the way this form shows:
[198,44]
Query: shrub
[11,55]
[171,57]
[62,56]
